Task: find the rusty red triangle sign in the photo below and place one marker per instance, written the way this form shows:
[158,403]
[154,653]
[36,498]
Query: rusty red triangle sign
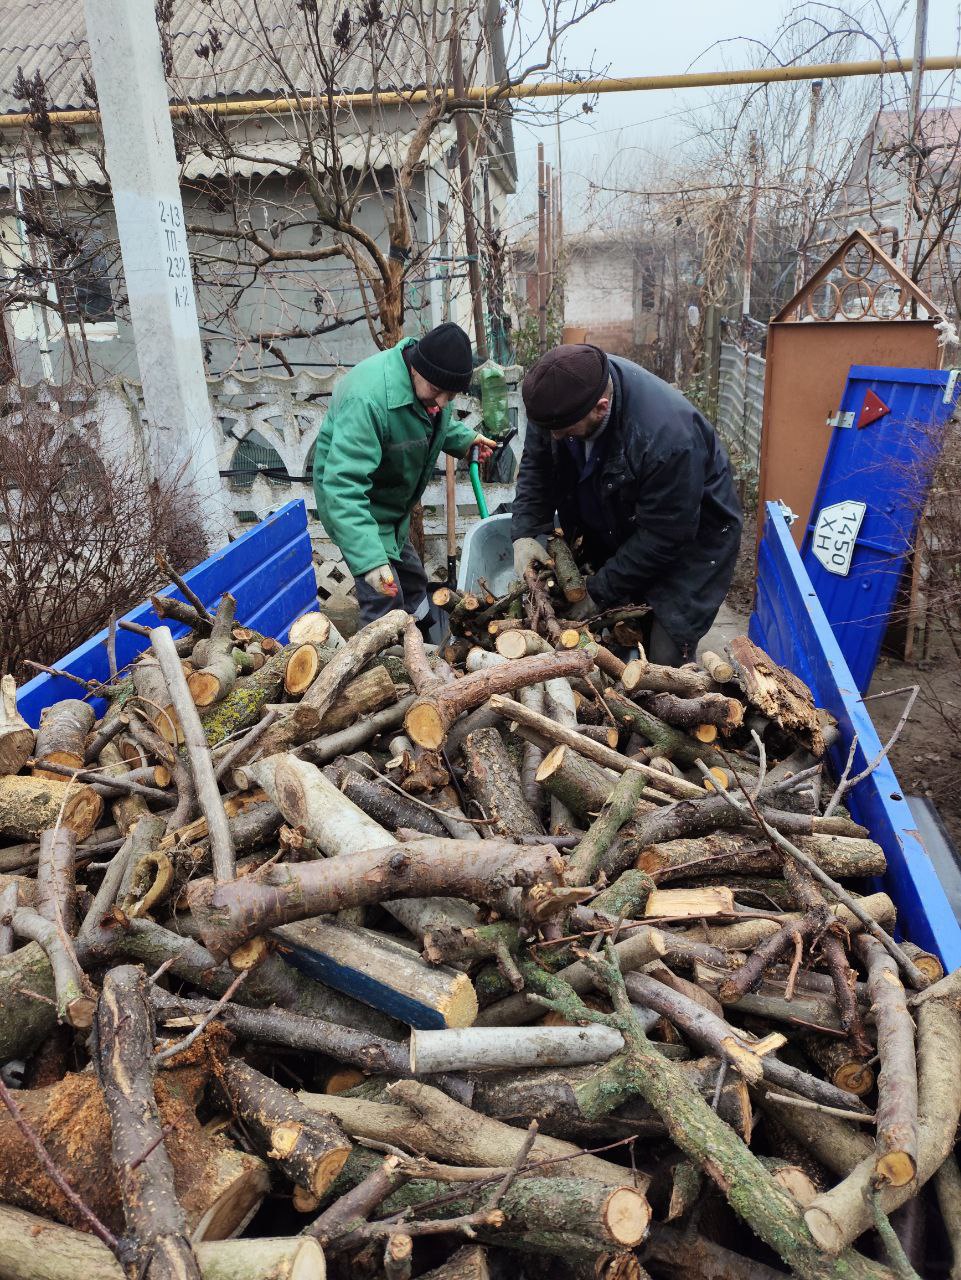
[872,409]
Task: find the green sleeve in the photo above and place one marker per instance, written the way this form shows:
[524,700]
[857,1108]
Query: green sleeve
[343,489]
[458,439]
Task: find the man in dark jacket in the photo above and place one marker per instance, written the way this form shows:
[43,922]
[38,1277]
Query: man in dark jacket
[635,470]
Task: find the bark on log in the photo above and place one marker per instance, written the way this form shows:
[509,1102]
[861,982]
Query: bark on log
[690,713]
[686,682]
[835,1059]
[722,853]
[620,806]
[469,1263]
[839,1146]
[349,660]
[56,878]
[494,783]
[387,807]
[592,750]
[35,1248]
[947,1182]
[425,1120]
[563,1216]
[430,717]
[198,755]
[213,657]
[897,1109]
[839,1216]
[666,740]
[310,1148]
[150,689]
[75,1006]
[777,693]
[31,805]
[582,786]
[694,1257]
[540,613]
[228,914]
[16,736]
[126,810]
[60,739]
[569,577]
[520,644]
[245,704]
[304,666]
[328,748]
[381,971]
[643,945]
[498,1048]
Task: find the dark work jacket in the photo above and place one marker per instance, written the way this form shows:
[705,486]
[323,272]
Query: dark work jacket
[666,519]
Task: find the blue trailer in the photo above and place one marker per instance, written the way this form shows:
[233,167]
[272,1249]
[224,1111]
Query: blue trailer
[269,571]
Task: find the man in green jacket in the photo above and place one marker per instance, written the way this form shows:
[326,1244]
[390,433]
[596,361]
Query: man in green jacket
[389,420]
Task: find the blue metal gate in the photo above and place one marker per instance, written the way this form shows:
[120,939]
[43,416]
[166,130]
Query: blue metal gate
[873,487]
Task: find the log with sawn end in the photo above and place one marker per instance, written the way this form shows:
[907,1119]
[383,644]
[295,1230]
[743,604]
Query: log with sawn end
[16,736]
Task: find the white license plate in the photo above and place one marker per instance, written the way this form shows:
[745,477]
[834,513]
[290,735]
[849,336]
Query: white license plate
[835,534]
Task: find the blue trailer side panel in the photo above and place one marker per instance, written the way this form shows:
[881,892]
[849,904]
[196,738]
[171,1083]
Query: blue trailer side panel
[268,569]
[790,624]
[879,474]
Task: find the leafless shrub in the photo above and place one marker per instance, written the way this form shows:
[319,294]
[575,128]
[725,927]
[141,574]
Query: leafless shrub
[78,534]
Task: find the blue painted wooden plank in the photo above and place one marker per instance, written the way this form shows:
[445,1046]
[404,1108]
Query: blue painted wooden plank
[278,594]
[790,624]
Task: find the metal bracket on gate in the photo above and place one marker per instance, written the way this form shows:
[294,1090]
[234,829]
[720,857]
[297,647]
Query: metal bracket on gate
[842,420]
[951,384]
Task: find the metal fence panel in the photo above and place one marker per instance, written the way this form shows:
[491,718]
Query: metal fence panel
[740,403]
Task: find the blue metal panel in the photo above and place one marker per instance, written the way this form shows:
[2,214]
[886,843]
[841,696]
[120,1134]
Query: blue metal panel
[268,569]
[887,465]
[790,624]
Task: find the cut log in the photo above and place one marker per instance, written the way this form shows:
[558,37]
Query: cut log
[494,783]
[388,807]
[836,1218]
[229,914]
[56,878]
[620,806]
[380,971]
[686,682]
[581,785]
[308,1147]
[897,1109]
[696,903]
[711,709]
[153,699]
[777,693]
[498,1048]
[722,853]
[31,805]
[246,702]
[35,1248]
[304,666]
[75,1005]
[355,655]
[16,736]
[127,810]
[60,739]
[520,644]
[718,668]
[424,1119]
[430,717]
[213,657]
[569,577]
[840,1066]
[310,628]
[469,1263]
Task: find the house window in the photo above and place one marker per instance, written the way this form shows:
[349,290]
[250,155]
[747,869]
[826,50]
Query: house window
[72,252]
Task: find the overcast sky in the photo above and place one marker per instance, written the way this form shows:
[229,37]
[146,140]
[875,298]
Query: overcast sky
[641,37]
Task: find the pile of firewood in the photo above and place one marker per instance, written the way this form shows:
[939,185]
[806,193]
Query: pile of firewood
[515,959]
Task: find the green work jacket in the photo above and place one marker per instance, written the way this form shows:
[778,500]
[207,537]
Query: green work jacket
[375,452]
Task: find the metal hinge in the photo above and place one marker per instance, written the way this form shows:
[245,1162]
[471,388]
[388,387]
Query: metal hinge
[842,420]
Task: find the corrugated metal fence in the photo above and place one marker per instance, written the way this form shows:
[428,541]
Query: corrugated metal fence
[740,404]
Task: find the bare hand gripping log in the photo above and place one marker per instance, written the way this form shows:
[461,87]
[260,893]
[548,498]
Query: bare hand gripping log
[485,871]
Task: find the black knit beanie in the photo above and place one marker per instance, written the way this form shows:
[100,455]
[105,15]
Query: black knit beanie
[565,385]
[444,358]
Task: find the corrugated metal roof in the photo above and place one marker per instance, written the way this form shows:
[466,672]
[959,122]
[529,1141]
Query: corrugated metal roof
[356,151]
[48,37]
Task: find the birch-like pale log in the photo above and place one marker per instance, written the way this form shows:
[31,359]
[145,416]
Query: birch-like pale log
[198,753]
[16,736]
[503,1048]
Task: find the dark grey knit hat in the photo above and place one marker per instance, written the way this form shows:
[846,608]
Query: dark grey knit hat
[444,358]
[565,385]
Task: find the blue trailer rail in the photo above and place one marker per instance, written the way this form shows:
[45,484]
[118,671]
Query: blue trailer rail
[790,624]
[268,570]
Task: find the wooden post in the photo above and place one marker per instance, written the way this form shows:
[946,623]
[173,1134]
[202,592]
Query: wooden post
[541,252]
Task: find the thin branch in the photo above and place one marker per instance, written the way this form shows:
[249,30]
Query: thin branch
[163,1055]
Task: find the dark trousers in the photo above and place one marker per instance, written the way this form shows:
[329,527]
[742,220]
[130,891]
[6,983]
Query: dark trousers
[411,595]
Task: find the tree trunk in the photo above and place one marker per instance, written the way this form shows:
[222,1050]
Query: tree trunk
[499,1048]
[430,717]
[31,805]
[897,1109]
[309,1148]
[722,853]
[381,971]
[839,1146]
[323,750]
[691,713]
[75,1005]
[839,1216]
[494,783]
[387,807]
[60,738]
[425,1120]
[35,1248]
[835,1059]
[16,736]
[228,914]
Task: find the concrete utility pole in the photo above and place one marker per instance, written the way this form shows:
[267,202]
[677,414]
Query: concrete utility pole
[914,120]
[541,252]
[132,95]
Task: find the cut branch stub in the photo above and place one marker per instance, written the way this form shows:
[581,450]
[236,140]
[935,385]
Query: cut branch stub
[60,738]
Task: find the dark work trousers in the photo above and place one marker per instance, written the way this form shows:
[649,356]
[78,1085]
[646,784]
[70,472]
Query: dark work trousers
[411,595]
